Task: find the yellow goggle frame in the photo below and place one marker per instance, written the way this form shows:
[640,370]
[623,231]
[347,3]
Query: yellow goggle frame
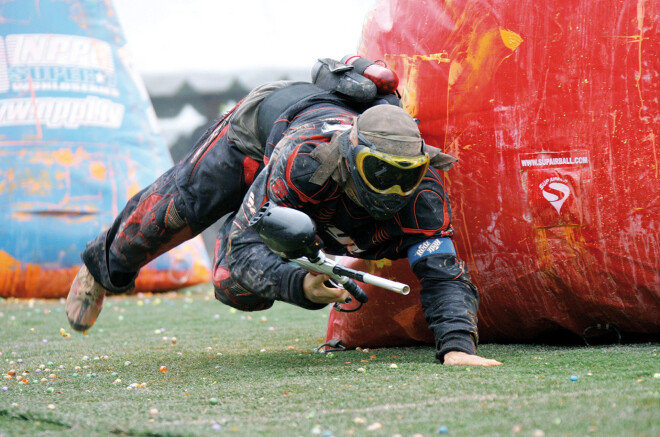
[393,163]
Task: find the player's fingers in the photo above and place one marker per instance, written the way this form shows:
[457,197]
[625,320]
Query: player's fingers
[456,358]
[316,290]
[336,294]
[343,296]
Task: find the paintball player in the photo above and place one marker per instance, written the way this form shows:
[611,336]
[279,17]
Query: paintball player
[361,172]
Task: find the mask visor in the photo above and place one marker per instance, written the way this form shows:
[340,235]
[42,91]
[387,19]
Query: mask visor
[391,174]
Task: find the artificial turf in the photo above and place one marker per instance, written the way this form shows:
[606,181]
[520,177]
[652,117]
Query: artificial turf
[233,373]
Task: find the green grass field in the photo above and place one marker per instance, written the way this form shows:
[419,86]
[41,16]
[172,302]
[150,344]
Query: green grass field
[255,374]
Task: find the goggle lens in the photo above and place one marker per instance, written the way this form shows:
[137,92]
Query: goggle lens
[383,175]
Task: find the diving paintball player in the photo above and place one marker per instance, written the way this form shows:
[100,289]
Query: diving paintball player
[361,171]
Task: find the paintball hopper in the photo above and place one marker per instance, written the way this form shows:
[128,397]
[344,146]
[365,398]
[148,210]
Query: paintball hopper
[287,232]
[386,80]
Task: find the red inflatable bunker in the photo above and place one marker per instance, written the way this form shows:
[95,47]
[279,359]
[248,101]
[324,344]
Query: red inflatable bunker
[552,108]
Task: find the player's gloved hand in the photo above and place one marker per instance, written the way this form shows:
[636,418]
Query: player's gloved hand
[316,291]
[456,358]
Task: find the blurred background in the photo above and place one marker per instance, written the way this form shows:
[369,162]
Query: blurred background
[198,57]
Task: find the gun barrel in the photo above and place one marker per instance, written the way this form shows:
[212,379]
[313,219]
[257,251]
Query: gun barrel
[387,284]
[330,267]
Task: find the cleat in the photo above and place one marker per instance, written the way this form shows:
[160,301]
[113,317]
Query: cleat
[85,300]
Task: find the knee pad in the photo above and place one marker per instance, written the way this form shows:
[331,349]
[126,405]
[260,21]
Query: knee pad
[231,293]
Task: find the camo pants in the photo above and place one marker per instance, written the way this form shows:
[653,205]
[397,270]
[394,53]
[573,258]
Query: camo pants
[227,289]
[209,183]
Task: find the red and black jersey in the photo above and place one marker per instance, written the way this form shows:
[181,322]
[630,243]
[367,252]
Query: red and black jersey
[449,298]
[345,227]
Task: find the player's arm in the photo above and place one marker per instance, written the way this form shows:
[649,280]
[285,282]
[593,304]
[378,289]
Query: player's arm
[449,298]
[251,263]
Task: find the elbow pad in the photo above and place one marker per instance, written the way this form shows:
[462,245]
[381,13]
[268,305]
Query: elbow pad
[432,246]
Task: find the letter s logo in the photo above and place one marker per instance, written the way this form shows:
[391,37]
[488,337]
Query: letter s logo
[556,193]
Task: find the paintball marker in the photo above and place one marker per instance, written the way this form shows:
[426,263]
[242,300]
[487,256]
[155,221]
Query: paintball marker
[291,234]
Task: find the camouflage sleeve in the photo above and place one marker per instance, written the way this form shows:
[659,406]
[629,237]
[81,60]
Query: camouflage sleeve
[253,265]
[289,183]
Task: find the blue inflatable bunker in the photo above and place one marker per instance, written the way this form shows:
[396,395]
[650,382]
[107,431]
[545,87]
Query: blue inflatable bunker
[78,137]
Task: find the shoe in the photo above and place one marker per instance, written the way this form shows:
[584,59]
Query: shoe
[85,300]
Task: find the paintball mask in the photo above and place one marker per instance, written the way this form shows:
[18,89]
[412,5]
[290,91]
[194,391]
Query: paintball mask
[386,159]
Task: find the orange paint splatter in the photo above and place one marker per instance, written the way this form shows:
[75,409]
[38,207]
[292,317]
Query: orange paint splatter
[408,67]
[64,156]
[133,189]
[97,170]
[510,39]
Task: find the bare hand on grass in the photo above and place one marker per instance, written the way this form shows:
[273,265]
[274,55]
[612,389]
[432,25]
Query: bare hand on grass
[456,358]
